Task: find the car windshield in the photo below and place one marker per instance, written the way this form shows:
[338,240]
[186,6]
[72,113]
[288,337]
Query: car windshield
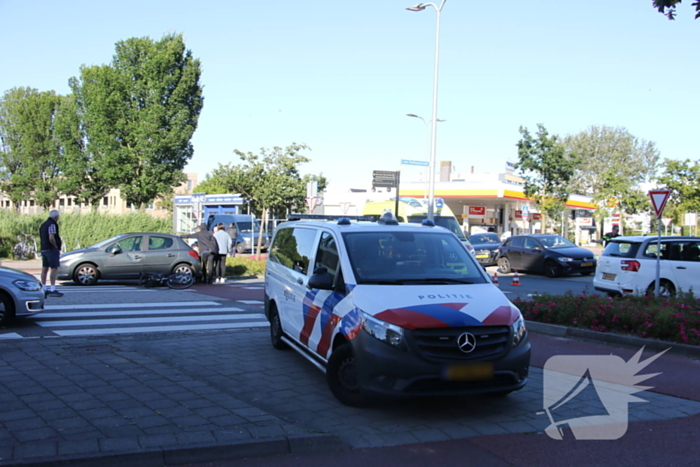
[555,241]
[448,222]
[104,243]
[409,258]
[246,227]
[484,238]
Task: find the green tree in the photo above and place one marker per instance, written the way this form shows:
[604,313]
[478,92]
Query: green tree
[83,175]
[613,164]
[682,178]
[140,113]
[668,8]
[31,155]
[547,169]
[270,181]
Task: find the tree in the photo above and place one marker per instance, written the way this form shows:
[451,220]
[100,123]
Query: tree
[547,169]
[140,113]
[31,155]
[269,181]
[613,164]
[668,8]
[682,178]
[83,173]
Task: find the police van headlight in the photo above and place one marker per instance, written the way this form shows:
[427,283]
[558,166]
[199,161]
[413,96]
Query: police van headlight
[519,331]
[383,331]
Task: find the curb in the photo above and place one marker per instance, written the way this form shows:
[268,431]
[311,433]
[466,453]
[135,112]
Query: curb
[195,454]
[557,330]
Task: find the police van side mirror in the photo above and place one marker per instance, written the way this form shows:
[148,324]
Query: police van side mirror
[320,280]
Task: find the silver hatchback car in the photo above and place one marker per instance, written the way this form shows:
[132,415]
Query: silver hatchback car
[126,256]
[20,295]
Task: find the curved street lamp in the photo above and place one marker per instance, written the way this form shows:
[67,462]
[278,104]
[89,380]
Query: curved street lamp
[431,189]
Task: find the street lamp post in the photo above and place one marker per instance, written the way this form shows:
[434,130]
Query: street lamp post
[427,136]
[431,189]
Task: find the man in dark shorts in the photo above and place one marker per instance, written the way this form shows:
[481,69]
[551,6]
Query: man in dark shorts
[50,253]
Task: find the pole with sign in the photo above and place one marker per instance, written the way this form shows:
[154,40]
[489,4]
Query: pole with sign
[658,200]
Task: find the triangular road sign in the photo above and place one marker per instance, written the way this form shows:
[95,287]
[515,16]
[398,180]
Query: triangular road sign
[658,200]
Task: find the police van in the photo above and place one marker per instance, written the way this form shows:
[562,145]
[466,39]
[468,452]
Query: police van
[389,309]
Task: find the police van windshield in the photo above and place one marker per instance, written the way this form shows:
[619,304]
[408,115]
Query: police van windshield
[448,222]
[409,258]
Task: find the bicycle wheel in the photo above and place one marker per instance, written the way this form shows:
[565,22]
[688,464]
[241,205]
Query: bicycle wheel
[18,252]
[180,281]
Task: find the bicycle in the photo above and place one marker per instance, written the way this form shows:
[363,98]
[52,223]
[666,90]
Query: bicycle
[26,247]
[177,281]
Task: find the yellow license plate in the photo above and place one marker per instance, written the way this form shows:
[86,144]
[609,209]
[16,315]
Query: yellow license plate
[482,256]
[586,265]
[609,277]
[468,372]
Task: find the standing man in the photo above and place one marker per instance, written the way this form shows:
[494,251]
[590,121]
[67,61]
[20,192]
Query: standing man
[50,253]
[223,239]
[610,235]
[207,249]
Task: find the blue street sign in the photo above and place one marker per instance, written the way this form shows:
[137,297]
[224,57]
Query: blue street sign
[411,162]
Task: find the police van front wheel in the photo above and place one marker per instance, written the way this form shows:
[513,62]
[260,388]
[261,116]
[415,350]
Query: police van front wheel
[341,373]
[276,329]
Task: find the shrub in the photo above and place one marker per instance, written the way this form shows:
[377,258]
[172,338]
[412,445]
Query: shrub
[669,319]
[245,266]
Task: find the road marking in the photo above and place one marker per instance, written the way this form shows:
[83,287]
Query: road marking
[195,327]
[11,335]
[171,319]
[130,305]
[78,314]
[251,302]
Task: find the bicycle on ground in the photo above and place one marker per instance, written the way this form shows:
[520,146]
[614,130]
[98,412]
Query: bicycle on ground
[178,280]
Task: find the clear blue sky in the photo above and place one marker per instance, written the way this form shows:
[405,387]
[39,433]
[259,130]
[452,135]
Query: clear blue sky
[340,76]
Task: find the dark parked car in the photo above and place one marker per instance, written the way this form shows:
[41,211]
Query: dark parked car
[486,247]
[126,256]
[551,254]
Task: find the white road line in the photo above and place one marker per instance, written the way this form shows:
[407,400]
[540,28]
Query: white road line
[129,305]
[175,319]
[78,314]
[11,335]
[195,327]
[73,291]
[251,302]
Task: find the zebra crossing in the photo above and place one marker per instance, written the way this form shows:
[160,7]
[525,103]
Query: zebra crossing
[133,318]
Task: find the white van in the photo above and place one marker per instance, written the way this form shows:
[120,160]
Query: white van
[392,309]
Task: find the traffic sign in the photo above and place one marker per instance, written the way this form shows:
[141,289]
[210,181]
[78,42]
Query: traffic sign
[412,162]
[658,200]
[384,179]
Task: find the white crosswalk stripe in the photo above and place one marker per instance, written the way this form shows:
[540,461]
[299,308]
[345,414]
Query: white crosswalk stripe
[130,318]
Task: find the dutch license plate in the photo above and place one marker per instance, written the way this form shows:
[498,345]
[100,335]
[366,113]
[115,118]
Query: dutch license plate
[586,265]
[609,277]
[482,256]
[468,372]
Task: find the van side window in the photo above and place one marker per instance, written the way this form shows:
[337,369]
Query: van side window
[293,248]
[327,255]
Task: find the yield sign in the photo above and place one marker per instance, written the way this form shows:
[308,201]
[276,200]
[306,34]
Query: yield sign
[658,200]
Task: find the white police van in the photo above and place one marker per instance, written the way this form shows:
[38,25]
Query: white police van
[392,309]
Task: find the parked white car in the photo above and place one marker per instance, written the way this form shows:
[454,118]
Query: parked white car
[628,266]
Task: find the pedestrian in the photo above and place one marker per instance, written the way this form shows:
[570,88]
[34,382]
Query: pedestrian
[610,235]
[50,253]
[223,239]
[233,233]
[207,249]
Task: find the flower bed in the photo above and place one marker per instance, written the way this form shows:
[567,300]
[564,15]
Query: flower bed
[668,319]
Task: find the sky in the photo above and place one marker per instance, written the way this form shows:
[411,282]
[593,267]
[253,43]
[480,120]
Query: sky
[340,77]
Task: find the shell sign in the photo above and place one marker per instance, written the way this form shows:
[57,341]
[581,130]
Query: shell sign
[477,211]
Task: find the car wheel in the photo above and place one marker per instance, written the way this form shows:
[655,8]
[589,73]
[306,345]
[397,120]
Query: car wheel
[7,309]
[276,332]
[239,248]
[552,269]
[341,374]
[183,268]
[504,265]
[86,274]
[666,289]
